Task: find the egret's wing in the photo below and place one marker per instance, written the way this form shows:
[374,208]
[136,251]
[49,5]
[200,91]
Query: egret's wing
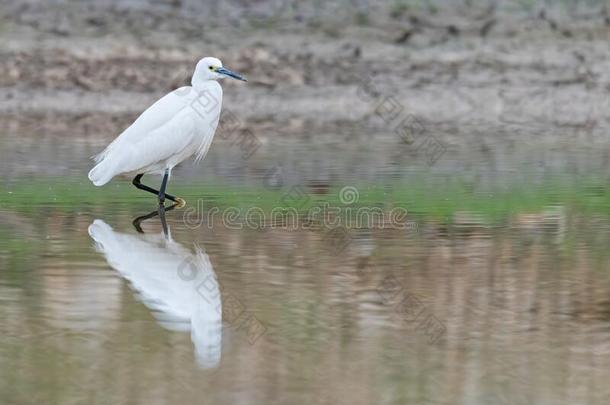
[167,141]
[207,137]
[152,118]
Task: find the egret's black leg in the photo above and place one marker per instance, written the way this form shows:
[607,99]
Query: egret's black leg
[136,182]
[163,186]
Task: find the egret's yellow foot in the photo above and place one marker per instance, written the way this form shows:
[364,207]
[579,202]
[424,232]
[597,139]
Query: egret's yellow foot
[180,202]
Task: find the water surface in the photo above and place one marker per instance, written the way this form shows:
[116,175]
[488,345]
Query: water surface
[496,293]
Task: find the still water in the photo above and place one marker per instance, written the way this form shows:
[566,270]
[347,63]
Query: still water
[496,290]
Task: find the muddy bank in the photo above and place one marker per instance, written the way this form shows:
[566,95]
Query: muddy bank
[96,67]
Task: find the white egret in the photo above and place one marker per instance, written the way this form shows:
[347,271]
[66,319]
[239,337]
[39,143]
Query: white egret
[179,125]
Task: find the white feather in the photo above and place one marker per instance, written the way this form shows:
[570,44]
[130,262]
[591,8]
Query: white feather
[179,125]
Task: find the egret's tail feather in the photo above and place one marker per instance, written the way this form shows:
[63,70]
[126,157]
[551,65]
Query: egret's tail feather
[102,173]
[99,157]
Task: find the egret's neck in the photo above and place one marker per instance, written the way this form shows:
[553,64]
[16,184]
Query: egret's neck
[199,84]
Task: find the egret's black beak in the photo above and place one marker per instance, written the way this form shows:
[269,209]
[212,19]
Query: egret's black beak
[230,73]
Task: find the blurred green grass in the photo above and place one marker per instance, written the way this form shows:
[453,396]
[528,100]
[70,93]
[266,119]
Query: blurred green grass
[421,197]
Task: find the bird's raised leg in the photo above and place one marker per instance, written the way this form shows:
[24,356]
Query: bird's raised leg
[136,182]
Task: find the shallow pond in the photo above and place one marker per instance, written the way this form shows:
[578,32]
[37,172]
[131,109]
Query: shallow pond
[481,278]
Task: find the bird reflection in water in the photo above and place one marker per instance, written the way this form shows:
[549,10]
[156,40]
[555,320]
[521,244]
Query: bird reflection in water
[177,285]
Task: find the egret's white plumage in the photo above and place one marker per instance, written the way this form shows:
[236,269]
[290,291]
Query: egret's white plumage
[179,287]
[179,125]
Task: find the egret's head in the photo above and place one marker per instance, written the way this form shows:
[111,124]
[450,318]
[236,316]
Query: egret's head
[211,69]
